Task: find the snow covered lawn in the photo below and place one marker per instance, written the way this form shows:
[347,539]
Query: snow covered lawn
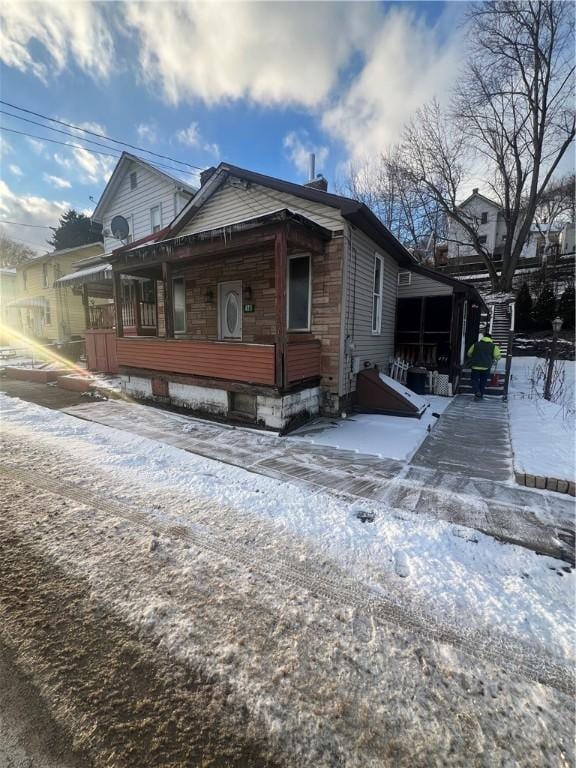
[392,437]
[464,577]
[543,432]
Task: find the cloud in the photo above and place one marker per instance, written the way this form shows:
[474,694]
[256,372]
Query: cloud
[57,181]
[147,132]
[269,53]
[15,169]
[299,147]
[191,137]
[39,147]
[406,64]
[64,32]
[87,167]
[29,209]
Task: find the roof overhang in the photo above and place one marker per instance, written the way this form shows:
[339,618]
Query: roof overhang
[458,286]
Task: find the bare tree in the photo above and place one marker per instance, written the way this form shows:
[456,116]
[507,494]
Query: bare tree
[406,209]
[13,253]
[555,206]
[512,109]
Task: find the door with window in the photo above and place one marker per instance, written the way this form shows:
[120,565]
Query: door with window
[230,310]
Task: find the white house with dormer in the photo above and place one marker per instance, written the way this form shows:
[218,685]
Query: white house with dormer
[486,218]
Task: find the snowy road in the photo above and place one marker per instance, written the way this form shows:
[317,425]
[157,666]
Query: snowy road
[163,623]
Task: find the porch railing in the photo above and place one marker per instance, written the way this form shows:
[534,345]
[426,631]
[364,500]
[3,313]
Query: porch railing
[147,313]
[101,317]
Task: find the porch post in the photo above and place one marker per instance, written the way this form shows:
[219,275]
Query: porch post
[85,305]
[137,308]
[117,287]
[168,300]
[280,270]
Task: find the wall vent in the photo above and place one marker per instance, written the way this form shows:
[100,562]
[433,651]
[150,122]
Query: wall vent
[404,278]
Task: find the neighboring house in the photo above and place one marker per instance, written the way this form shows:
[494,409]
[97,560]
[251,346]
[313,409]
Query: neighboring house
[271,298]
[485,216]
[45,309]
[7,295]
[148,199]
[145,196]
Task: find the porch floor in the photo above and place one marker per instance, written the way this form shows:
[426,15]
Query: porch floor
[507,512]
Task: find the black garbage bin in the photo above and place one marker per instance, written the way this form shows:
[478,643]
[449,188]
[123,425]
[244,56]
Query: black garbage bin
[416,380]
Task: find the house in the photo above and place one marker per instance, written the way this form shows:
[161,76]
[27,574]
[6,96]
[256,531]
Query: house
[271,298]
[44,308]
[147,199]
[487,219]
[7,295]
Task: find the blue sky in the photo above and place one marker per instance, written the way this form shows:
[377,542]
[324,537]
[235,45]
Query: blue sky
[256,84]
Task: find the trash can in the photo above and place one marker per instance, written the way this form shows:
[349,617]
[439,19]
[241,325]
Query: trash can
[416,380]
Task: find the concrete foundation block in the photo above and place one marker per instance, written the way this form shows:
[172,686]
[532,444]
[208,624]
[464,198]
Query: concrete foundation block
[563,486]
[540,482]
[572,489]
[530,481]
[520,478]
[552,484]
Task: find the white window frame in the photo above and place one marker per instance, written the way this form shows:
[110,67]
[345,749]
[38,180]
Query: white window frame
[183,281]
[377,319]
[309,322]
[133,175]
[152,209]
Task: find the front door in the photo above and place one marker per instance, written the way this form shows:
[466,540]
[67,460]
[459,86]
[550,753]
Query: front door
[230,310]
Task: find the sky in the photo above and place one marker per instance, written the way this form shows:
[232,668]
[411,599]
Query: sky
[260,85]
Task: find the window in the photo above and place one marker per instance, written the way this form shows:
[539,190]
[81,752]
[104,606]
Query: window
[133,180]
[25,278]
[377,294]
[299,288]
[179,299]
[45,275]
[155,218]
[482,239]
[484,217]
[47,317]
[404,278]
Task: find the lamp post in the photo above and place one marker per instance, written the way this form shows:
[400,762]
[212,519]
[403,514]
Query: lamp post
[556,327]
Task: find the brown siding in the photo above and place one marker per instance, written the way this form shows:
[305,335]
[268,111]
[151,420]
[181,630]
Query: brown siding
[101,351]
[303,360]
[249,363]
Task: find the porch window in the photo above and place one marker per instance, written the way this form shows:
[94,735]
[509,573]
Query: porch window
[155,218]
[299,289]
[377,294]
[179,299]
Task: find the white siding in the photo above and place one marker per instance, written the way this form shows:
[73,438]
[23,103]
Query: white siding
[135,204]
[235,202]
[423,286]
[494,229]
[375,348]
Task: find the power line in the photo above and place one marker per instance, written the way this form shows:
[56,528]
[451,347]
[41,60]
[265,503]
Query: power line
[87,149]
[98,135]
[23,224]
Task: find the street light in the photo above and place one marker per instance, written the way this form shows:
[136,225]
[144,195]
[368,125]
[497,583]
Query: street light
[556,328]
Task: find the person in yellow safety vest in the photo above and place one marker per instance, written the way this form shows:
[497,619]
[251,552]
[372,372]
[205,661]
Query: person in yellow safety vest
[481,356]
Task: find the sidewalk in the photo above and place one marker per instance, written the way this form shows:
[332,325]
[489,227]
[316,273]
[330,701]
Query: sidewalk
[538,521]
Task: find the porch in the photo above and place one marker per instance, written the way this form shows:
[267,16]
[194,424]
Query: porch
[235,320]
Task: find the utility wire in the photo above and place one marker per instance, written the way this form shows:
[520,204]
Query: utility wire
[88,149]
[22,224]
[98,135]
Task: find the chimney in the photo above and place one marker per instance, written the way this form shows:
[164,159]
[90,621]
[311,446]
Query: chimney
[206,175]
[312,167]
[475,191]
[318,183]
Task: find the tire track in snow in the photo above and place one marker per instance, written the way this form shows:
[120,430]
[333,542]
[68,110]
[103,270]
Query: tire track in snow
[509,654]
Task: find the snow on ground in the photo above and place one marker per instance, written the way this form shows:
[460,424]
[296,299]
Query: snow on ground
[543,432]
[392,437]
[462,575]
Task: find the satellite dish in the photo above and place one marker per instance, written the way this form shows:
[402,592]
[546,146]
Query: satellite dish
[120,227]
